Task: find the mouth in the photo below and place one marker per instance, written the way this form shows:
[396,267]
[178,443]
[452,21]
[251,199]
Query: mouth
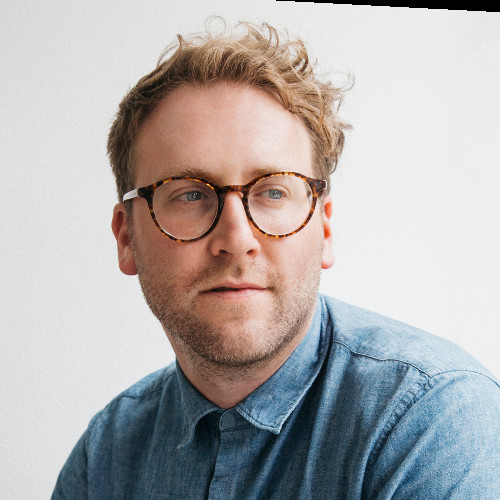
[234,290]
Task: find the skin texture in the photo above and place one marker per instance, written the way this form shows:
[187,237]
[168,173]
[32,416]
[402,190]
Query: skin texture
[229,341]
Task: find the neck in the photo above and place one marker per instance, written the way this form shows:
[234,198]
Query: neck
[224,385]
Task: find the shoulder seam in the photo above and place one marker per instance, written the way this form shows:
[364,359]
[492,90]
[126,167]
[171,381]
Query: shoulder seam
[420,369]
[406,401]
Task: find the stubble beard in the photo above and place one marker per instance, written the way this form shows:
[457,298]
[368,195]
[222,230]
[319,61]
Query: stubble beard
[248,342]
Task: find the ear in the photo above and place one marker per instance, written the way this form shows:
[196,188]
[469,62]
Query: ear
[126,259]
[328,258]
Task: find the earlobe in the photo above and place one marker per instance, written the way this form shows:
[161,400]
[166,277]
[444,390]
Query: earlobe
[126,259]
[328,258]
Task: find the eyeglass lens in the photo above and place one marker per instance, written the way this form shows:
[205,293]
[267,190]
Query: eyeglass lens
[187,208]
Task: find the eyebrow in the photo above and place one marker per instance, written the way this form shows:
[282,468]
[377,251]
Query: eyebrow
[201,173]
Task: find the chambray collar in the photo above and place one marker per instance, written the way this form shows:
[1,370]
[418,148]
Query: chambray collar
[269,405]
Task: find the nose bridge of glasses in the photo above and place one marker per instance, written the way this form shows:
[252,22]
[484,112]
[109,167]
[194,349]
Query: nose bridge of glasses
[232,188]
[242,190]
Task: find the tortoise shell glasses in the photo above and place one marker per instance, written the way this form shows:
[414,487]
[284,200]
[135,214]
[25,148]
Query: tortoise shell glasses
[277,204]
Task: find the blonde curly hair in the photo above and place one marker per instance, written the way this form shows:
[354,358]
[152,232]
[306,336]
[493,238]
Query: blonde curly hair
[250,55]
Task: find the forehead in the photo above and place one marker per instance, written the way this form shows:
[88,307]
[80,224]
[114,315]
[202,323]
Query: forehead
[225,132]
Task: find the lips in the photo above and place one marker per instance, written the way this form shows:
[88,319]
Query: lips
[223,289]
[234,287]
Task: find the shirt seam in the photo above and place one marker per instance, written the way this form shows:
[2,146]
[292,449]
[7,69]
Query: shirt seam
[406,401]
[420,369]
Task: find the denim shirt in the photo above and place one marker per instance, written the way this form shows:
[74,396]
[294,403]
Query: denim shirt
[365,407]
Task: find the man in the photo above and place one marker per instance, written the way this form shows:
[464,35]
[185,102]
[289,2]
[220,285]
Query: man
[222,157]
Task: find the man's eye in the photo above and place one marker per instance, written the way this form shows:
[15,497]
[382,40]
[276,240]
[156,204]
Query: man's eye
[191,196]
[273,194]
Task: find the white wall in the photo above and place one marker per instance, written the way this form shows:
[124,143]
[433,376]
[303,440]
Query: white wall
[416,196]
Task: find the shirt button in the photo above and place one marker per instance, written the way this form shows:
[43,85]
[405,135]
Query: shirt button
[230,419]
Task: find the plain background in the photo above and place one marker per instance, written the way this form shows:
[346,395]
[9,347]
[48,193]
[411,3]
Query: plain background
[416,195]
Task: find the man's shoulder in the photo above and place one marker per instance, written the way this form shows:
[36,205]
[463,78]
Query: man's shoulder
[375,336]
[150,384]
[140,400]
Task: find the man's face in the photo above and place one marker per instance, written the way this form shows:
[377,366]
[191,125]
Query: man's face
[235,296]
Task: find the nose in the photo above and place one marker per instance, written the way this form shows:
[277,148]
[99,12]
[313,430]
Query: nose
[234,235]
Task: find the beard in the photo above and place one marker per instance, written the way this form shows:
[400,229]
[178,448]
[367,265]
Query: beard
[238,335]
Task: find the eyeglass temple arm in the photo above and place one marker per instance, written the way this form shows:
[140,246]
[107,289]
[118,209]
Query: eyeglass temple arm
[319,185]
[142,192]
[131,194]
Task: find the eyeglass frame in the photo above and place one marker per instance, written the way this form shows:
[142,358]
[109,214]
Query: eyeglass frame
[318,187]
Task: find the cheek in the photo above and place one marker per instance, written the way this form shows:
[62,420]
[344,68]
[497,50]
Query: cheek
[172,258]
[299,254]
[179,261]
[153,246]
